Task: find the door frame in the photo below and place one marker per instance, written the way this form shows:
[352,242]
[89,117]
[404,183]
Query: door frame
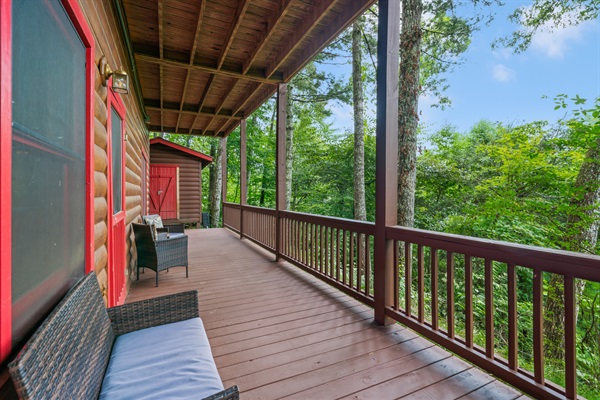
[114,294]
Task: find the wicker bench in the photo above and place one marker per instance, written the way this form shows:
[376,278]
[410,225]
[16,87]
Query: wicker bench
[155,348]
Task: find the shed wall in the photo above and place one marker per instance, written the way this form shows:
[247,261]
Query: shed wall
[190,181]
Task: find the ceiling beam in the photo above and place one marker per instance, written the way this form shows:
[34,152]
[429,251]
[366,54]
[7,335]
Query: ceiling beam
[272,24]
[352,11]
[203,99]
[293,41]
[192,55]
[235,25]
[197,132]
[204,113]
[204,68]
[222,102]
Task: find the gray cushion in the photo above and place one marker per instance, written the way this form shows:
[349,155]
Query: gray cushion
[170,361]
[153,219]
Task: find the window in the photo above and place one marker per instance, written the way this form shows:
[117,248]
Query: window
[51,54]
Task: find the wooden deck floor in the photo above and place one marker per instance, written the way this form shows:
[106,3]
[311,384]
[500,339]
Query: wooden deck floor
[278,332]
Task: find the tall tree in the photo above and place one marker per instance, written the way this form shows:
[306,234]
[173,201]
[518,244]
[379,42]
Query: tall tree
[360,210]
[289,145]
[408,109]
[215,186]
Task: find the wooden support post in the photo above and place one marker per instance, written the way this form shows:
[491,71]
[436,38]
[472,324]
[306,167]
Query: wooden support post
[280,165]
[386,175]
[223,170]
[243,175]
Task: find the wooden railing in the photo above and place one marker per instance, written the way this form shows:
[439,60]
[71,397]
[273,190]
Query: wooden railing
[440,279]
[339,251]
[432,268]
[232,216]
[259,225]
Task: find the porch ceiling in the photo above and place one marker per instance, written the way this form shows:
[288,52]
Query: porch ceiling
[204,65]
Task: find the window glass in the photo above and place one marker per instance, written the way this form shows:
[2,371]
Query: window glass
[48,168]
[117,172]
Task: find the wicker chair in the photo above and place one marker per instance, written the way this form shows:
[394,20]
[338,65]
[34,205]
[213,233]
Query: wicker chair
[160,254]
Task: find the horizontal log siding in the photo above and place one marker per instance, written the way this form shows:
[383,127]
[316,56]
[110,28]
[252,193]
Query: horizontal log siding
[102,20]
[190,181]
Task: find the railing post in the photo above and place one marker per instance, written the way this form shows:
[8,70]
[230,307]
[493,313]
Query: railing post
[243,175]
[386,176]
[280,164]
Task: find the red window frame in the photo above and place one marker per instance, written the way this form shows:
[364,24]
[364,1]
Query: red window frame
[80,24]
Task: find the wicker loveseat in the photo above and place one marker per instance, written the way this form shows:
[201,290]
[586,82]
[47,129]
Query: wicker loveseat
[151,349]
[166,251]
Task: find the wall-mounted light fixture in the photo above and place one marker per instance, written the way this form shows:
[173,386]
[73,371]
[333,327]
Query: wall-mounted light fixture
[120,79]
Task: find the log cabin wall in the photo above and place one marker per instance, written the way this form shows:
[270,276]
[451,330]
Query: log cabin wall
[102,19]
[190,181]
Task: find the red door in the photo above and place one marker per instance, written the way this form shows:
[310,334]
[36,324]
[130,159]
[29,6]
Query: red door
[116,201]
[164,191]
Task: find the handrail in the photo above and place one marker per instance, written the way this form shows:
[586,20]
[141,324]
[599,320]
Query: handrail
[334,222]
[575,265]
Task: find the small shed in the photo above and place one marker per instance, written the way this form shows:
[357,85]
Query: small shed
[176,181]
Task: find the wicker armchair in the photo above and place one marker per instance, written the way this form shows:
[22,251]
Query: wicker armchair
[160,254]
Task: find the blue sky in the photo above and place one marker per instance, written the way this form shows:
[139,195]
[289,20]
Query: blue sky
[499,85]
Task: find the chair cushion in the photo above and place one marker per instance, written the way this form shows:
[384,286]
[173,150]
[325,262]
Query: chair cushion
[153,219]
[170,361]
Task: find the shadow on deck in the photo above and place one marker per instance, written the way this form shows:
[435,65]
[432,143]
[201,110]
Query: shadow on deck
[278,332]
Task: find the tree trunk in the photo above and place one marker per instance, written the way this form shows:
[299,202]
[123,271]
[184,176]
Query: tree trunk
[215,184]
[408,109]
[360,209]
[582,236]
[289,146]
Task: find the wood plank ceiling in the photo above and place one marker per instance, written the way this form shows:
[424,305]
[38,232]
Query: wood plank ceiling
[204,65]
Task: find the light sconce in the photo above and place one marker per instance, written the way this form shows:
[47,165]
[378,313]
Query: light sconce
[120,79]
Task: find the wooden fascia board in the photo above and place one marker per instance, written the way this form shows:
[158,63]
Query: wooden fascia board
[194,153]
[354,10]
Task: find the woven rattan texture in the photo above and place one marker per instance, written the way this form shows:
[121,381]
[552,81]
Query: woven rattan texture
[67,356]
[161,254]
[153,312]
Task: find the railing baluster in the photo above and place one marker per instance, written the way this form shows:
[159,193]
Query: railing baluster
[469,301]
[331,255]
[489,309]
[367,265]
[408,278]
[434,289]
[338,256]
[538,327]
[513,338]
[351,271]
[421,284]
[396,277]
[570,338]
[450,292]
[322,266]
[344,257]
[359,260]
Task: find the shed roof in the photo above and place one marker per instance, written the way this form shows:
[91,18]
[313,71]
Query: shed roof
[204,65]
[203,158]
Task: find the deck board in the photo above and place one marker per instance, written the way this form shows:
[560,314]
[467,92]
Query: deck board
[278,332]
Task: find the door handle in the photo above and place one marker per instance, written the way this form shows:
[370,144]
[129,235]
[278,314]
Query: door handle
[160,192]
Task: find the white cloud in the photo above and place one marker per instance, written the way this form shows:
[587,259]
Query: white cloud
[503,54]
[555,42]
[554,38]
[502,73]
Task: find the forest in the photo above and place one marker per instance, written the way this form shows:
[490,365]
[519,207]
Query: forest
[534,183]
